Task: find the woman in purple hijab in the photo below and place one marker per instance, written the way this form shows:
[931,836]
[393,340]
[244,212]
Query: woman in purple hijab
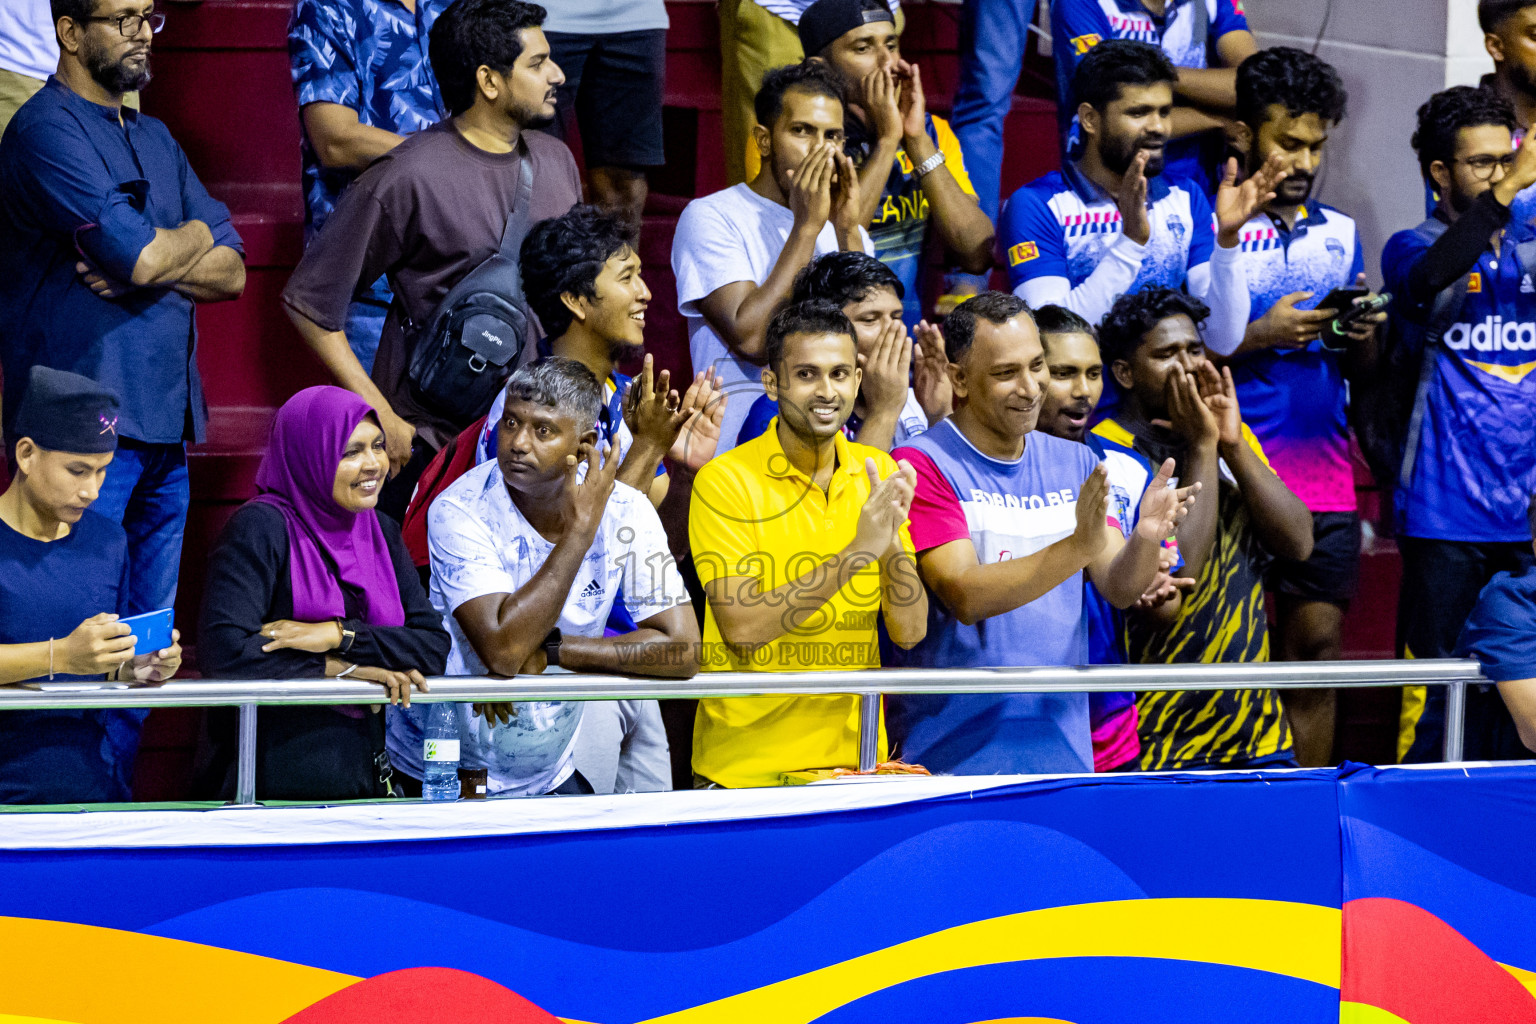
[307,581]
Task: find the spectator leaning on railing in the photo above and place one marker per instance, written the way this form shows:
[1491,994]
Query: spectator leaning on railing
[308,581]
[529,553]
[1178,406]
[1009,522]
[64,574]
[800,541]
[1076,381]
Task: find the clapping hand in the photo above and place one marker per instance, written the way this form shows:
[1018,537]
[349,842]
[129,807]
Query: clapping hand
[1131,200]
[1219,394]
[703,410]
[1163,507]
[1235,203]
[1092,514]
[930,373]
[885,510]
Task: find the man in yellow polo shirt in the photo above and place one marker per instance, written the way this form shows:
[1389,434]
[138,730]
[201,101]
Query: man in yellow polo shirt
[800,540]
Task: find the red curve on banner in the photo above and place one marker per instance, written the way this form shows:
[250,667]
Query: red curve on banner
[1405,960]
[424,993]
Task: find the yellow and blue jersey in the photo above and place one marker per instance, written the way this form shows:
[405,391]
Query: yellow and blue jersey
[1222,621]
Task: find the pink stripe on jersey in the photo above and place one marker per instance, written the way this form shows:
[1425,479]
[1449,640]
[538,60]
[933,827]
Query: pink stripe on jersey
[1317,471]
[936,517]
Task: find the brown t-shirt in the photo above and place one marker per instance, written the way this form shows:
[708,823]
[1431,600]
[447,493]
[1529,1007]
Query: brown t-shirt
[424,214]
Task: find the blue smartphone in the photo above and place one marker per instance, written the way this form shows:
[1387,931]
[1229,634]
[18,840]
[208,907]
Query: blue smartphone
[152,630]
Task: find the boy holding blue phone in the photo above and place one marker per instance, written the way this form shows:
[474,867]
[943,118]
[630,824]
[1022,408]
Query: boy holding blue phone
[63,584]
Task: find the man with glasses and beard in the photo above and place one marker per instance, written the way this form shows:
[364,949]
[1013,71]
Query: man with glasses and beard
[1291,388]
[1465,311]
[108,241]
[1109,223]
[433,209]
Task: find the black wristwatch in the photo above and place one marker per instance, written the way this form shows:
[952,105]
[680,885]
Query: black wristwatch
[552,648]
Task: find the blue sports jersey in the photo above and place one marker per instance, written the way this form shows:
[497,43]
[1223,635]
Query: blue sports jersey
[1295,400]
[1475,466]
[1501,632]
[1006,510]
[1063,225]
[1077,26]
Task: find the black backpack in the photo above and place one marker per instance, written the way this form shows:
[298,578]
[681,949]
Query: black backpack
[464,354]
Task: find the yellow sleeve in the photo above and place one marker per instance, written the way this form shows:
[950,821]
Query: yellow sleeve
[1112,431]
[720,532]
[1258,449]
[954,159]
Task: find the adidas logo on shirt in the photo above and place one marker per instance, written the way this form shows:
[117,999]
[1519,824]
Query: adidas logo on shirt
[591,591]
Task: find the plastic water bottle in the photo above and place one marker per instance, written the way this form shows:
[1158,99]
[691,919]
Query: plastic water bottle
[440,754]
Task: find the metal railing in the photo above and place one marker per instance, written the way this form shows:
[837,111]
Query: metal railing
[867,685]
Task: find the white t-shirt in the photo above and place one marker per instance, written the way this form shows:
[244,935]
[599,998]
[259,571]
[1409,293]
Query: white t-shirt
[28,44]
[480,544]
[730,236]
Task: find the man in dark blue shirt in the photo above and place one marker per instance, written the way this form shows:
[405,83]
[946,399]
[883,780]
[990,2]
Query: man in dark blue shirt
[107,242]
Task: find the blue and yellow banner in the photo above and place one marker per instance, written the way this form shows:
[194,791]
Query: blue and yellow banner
[1304,896]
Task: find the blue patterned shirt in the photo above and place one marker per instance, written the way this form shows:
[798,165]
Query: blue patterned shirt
[370,55]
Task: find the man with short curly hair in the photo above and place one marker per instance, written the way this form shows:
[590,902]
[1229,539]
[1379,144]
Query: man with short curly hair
[1176,405]
[1292,388]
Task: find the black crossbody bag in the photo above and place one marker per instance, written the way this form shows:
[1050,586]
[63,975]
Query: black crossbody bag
[462,356]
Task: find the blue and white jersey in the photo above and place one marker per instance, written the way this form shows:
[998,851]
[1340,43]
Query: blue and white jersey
[1475,466]
[1064,226]
[1295,400]
[1077,26]
[1062,234]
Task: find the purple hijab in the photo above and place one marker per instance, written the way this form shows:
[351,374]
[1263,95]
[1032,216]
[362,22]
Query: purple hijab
[297,476]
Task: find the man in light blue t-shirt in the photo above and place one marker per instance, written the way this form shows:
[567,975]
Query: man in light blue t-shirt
[1008,522]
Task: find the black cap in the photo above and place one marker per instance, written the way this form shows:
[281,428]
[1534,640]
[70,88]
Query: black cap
[825,20]
[65,412]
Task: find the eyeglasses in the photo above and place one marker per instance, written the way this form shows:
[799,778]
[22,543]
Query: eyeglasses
[1482,166]
[129,25]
